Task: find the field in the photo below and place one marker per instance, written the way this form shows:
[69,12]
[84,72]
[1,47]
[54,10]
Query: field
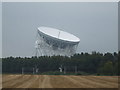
[58,81]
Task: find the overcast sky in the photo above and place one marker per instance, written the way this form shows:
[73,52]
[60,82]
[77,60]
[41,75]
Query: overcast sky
[96,24]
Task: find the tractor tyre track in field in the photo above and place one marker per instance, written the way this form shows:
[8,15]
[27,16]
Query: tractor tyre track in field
[15,83]
[59,81]
[78,83]
[93,82]
[29,82]
[46,82]
[106,81]
[8,79]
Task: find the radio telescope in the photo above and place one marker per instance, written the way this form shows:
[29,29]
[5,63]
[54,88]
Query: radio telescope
[51,41]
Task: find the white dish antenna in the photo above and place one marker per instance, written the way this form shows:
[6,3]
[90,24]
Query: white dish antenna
[52,41]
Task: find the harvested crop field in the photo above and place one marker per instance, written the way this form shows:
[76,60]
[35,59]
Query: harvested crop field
[58,81]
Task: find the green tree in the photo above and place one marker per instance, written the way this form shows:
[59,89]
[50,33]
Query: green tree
[107,69]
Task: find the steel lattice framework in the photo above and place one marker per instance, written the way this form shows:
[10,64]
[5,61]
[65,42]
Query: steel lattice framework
[48,46]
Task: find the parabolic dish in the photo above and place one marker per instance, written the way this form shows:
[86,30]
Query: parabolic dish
[52,41]
[58,34]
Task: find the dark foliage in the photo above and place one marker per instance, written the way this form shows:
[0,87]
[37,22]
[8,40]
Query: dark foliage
[95,63]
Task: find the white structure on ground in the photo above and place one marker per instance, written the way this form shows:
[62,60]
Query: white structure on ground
[52,41]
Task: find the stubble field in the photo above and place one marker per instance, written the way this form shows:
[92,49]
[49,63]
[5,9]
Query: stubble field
[58,81]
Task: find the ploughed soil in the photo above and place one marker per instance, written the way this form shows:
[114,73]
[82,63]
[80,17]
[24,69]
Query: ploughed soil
[58,81]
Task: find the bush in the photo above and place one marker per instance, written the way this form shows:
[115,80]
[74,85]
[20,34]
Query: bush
[52,73]
[82,73]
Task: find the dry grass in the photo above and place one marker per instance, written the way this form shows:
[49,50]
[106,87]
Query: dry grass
[58,81]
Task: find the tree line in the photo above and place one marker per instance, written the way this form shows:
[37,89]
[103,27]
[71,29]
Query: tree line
[95,63]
